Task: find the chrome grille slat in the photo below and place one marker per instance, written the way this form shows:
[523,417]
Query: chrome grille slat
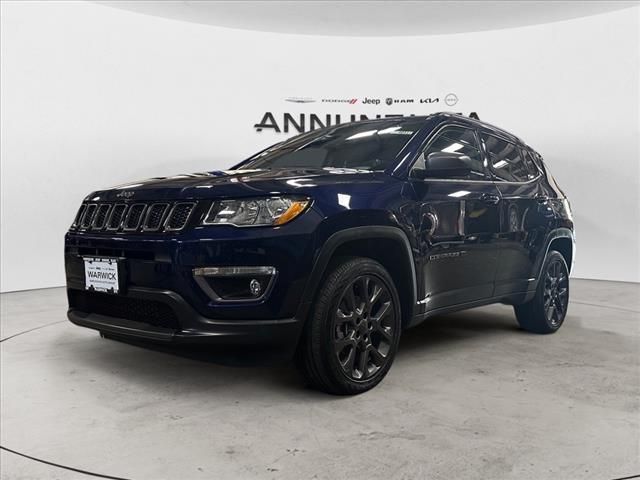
[179,216]
[87,218]
[100,218]
[116,217]
[79,215]
[135,217]
[155,216]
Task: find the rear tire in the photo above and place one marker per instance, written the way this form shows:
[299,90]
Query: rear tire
[352,334]
[546,312]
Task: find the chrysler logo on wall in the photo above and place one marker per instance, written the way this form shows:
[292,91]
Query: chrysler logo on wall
[299,100]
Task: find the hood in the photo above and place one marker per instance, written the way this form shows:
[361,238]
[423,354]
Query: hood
[237,183]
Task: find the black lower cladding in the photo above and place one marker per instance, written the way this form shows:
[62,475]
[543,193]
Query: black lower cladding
[136,309]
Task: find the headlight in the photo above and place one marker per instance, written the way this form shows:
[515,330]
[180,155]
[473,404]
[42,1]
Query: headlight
[256,212]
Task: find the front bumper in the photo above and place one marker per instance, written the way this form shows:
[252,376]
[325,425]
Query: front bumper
[179,322]
[160,287]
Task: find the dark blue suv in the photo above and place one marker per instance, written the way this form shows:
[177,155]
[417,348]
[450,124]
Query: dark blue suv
[328,245]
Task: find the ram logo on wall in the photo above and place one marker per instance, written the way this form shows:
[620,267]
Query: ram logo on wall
[323,112]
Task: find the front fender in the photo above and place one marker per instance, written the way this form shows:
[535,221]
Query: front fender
[329,245]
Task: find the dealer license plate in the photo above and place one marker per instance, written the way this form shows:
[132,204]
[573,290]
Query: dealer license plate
[101,274]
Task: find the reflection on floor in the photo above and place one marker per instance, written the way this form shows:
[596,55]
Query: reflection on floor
[470,396]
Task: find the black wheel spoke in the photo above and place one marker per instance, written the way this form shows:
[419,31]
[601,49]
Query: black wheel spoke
[550,309]
[349,362]
[342,317]
[377,357]
[386,333]
[363,361]
[345,342]
[375,295]
[380,314]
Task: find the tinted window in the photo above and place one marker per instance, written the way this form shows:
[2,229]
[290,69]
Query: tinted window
[366,146]
[457,140]
[530,164]
[507,160]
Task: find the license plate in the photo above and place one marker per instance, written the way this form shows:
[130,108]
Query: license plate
[101,274]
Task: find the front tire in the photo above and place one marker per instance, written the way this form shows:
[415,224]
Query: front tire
[546,312]
[352,335]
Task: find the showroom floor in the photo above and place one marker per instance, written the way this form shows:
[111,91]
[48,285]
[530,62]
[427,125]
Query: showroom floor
[469,396]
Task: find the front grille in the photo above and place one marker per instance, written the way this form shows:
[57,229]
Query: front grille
[144,311]
[144,217]
[101,216]
[79,215]
[179,216]
[87,218]
[134,215]
[117,215]
[155,215]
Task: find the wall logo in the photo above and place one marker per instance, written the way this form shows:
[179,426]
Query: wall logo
[393,101]
[327,112]
[451,99]
[350,101]
[299,100]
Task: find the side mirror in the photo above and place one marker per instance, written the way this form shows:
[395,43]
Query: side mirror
[447,165]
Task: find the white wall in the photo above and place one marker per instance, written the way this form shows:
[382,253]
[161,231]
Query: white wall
[94,96]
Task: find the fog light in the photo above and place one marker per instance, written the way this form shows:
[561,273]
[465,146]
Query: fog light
[235,284]
[255,287]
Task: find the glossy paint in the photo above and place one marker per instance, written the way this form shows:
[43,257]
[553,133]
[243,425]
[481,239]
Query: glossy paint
[468,242]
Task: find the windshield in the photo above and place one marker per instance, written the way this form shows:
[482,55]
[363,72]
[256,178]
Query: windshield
[363,146]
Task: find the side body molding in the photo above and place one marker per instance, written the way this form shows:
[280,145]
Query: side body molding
[353,234]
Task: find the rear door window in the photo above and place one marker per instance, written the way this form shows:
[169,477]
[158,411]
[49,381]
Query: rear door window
[507,160]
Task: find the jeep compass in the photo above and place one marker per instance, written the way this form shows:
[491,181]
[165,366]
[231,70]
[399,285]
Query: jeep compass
[329,245]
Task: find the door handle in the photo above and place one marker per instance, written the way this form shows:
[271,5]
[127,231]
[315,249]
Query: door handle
[541,198]
[490,198]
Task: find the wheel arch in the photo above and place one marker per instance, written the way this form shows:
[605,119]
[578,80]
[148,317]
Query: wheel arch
[561,240]
[385,244]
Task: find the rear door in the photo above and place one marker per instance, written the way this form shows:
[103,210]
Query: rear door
[524,212]
[458,226]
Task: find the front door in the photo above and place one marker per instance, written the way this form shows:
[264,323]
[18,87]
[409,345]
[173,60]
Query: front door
[458,223]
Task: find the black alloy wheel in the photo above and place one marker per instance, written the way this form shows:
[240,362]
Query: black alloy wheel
[546,311]
[363,332]
[352,335]
[556,292]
